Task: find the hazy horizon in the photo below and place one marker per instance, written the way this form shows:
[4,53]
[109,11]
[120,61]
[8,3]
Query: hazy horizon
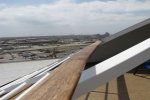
[49,35]
[20,18]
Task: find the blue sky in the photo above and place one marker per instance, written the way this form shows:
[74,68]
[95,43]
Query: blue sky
[58,17]
[25,2]
[37,2]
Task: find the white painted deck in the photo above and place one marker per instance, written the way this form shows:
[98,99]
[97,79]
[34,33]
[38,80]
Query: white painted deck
[11,71]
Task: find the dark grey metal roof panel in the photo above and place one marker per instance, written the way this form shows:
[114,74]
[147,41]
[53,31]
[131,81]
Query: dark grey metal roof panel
[129,29]
[121,41]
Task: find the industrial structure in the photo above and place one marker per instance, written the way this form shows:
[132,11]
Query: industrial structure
[81,72]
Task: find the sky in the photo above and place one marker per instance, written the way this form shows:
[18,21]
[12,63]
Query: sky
[63,17]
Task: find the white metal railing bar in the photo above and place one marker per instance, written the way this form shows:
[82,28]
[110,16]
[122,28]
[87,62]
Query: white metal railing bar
[37,74]
[29,89]
[113,67]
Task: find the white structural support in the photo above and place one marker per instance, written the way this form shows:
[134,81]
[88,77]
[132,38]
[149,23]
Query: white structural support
[31,78]
[15,91]
[39,82]
[112,68]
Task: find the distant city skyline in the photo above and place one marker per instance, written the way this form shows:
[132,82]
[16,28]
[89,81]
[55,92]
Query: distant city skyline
[67,17]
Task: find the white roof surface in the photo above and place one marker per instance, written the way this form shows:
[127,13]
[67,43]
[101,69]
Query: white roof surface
[11,71]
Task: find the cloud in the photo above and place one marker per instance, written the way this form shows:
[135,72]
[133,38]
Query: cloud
[70,17]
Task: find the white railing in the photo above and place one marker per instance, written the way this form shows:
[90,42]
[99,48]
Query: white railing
[113,67]
[28,79]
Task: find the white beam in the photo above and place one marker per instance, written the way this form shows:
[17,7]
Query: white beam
[112,67]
